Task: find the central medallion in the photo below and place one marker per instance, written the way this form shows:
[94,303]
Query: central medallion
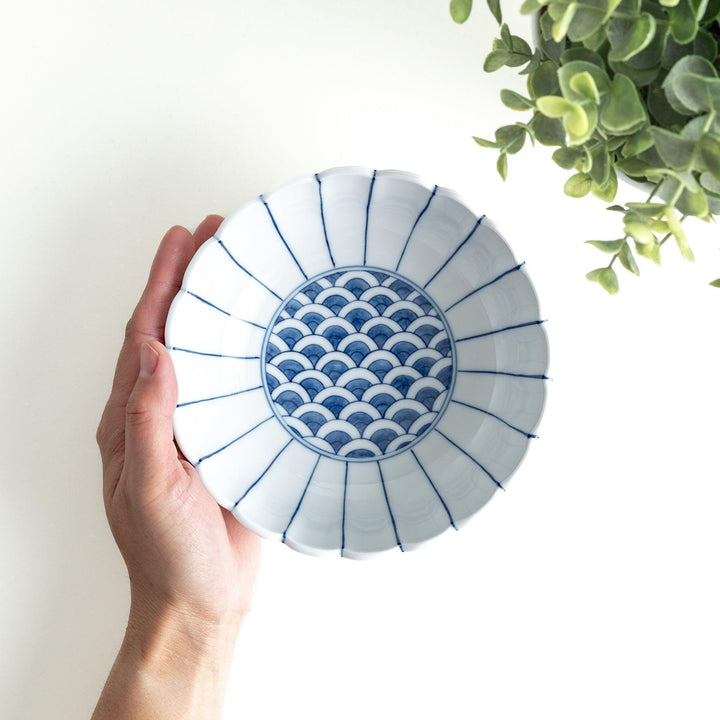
[358,363]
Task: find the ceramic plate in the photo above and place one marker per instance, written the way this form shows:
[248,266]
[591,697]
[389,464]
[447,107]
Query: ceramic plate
[360,362]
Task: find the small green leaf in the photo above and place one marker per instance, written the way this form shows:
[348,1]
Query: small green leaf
[586,21]
[608,190]
[600,168]
[515,101]
[511,138]
[584,85]
[506,37]
[561,25]
[534,64]
[567,157]
[640,232]
[623,112]
[578,185]
[520,46]
[580,123]
[581,90]
[627,259]
[710,184]
[544,81]
[693,203]
[460,10]
[495,60]
[607,246]
[638,143]
[548,131]
[496,10]
[660,108]
[502,165]
[609,281]
[634,167]
[551,49]
[716,283]
[659,226]
[697,94]
[703,44]
[629,37]
[690,64]
[677,151]
[649,209]
[487,143]
[582,54]
[679,234]
[683,23]
[650,250]
[710,154]
[530,7]
[554,106]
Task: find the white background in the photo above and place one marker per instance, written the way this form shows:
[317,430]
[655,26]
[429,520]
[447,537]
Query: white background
[588,590]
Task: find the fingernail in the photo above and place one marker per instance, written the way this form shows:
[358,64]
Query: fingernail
[148,360]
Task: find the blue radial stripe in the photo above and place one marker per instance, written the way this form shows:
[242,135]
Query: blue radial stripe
[503,372]
[342,543]
[456,251]
[265,471]
[387,501]
[217,355]
[218,397]
[239,437]
[497,417]
[322,217]
[482,287]
[467,454]
[432,485]
[367,214]
[422,212]
[224,312]
[500,330]
[302,497]
[245,270]
[280,235]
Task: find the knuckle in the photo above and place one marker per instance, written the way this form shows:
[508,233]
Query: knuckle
[130,328]
[102,433]
[137,415]
[110,440]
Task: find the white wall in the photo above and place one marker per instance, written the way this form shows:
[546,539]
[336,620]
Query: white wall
[588,590]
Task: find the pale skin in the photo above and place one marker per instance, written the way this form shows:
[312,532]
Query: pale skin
[191,564]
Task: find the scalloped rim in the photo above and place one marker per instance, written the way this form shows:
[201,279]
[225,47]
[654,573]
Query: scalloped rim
[447,192]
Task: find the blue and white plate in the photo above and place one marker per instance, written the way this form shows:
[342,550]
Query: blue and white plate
[360,362]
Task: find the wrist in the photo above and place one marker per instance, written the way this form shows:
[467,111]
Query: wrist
[159,631]
[171,664]
[180,657]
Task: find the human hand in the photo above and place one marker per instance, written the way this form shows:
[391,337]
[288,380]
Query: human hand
[191,564]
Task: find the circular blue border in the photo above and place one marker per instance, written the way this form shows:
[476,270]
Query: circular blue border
[362,268]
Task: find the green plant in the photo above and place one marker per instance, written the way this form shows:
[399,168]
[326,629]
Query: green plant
[627,86]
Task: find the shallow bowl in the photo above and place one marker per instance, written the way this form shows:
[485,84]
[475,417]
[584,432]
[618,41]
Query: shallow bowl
[360,361]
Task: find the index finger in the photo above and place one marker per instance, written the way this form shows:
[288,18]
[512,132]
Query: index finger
[148,320]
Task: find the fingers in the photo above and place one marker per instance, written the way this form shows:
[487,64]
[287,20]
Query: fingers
[149,449]
[206,229]
[148,319]
[166,274]
[148,323]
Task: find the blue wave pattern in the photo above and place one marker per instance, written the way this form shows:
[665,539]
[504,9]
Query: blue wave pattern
[358,363]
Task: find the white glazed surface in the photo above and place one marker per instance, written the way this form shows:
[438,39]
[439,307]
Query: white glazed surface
[415,426]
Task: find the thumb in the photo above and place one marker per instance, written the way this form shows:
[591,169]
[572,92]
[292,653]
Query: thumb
[150,453]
